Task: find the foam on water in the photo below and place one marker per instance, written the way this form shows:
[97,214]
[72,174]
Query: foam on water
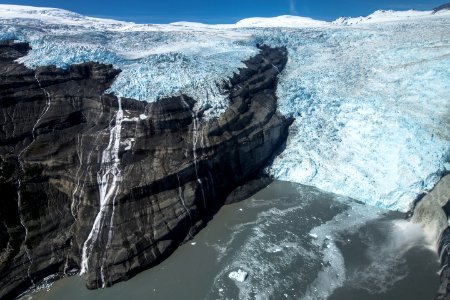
[222,247]
[275,248]
[387,263]
[264,255]
[285,248]
[333,274]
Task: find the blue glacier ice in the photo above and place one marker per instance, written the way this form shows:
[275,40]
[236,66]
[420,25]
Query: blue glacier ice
[370,95]
[371,108]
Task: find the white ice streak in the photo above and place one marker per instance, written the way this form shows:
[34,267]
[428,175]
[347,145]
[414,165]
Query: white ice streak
[108,177]
[47,104]
[22,222]
[195,140]
[19,192]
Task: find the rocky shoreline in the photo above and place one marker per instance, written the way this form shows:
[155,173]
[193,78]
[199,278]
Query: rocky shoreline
[112,186]
[432,212]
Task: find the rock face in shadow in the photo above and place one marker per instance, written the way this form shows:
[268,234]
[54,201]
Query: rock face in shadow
[432,212]
[112,186]
[445,6]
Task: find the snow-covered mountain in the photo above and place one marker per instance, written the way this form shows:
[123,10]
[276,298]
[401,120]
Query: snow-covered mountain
[369,95]
[281,21]
[442,8]
[382,16]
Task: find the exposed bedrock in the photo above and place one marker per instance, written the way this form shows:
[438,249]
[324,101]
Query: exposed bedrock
[445,6]
[112,186]
[432,212]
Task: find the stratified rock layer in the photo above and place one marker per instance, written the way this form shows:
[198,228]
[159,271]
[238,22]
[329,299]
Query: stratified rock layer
[112,186]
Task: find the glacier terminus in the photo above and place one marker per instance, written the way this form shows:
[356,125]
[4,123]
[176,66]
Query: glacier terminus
[153,121]
[369,95]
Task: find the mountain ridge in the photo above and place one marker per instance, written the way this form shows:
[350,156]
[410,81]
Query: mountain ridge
[55,15]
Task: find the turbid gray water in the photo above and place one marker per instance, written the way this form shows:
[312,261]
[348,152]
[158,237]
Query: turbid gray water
[292,242]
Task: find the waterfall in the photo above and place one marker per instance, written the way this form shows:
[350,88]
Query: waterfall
[108,178]
[22,222]
[194,146]
[194,151]
[19,182]
[47,107]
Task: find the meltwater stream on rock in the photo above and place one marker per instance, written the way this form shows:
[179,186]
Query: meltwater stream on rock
[288,241]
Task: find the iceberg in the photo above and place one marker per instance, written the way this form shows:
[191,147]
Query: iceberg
[238,275]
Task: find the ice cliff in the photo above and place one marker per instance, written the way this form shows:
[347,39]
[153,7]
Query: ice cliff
[369,95]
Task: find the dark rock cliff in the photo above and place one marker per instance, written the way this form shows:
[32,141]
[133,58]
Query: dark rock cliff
[442,7]
[444,254]
[112,186]
[432,212]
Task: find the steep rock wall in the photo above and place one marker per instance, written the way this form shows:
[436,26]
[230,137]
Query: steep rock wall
[112,186]
[432,213]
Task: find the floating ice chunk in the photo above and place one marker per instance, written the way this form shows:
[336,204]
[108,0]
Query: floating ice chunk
[313,235]
[239,275]
[274,249]
[142,117]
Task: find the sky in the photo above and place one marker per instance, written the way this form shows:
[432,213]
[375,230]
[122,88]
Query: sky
[225,11]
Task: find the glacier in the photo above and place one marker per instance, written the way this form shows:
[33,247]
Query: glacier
[369,95]
[371,110]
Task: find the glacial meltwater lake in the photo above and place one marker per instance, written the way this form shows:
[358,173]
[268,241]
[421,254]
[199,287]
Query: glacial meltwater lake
[293,242]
